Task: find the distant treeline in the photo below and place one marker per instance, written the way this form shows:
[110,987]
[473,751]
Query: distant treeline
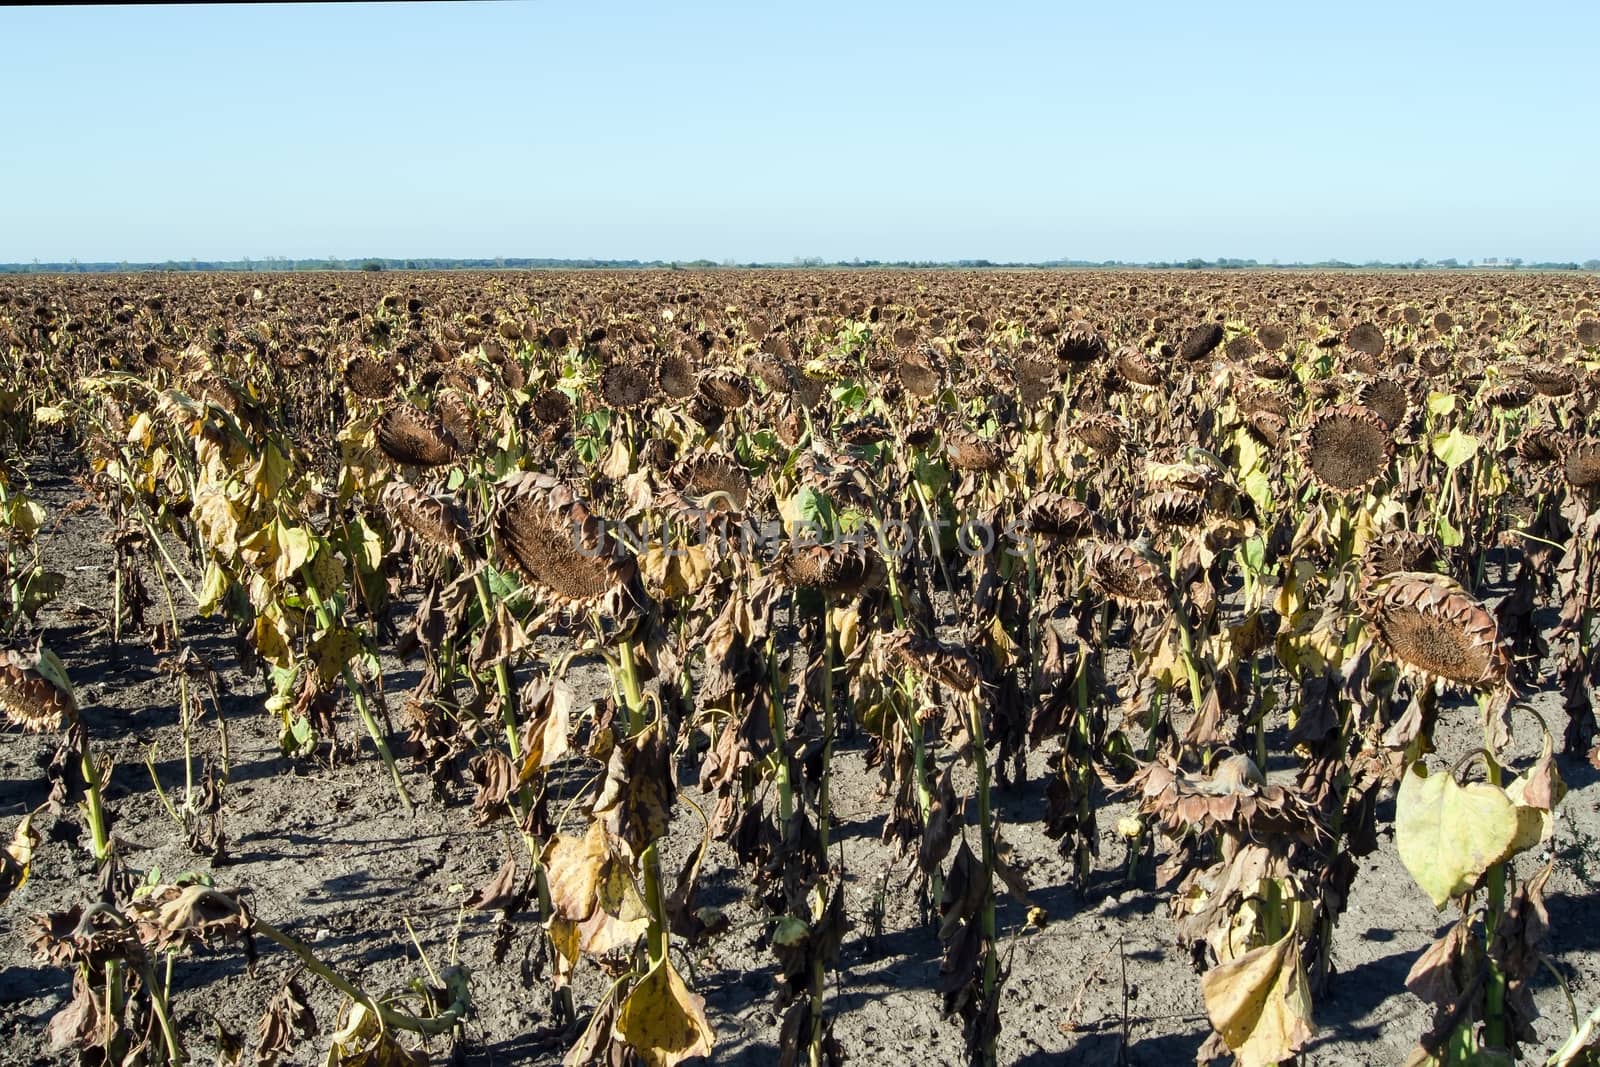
[511,263]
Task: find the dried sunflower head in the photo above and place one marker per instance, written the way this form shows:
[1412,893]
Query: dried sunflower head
[841,569]
[34,691]
[1102,434]
[1436,629]
[675,375]
[1386,398]
[1550,379]
[1539,445]
[1582,466]
[1201,341]
[1365,338]
[1270,368]
[1059,518]
[1268,427]
[437,520]
[1400,550]
[966,451]
[1079,343]
[1507,395]
[1137,370]
[953,667]
[1128,575]
[919,374]
[1347,448]
[551,411]
[774,371]
[726,389]
[1236,799]
[713,481]
[369,377]
[553,539]
[409,436]
[626,384]
[1272,336]
[174,917]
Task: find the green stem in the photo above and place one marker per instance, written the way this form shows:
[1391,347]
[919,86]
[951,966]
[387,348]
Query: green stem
[358,696]
[392,1018]
[93,803]
[158,1000]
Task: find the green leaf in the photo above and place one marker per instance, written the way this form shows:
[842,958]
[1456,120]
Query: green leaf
[1448,835]
[1454,448]
[1449,536]
[1441,403]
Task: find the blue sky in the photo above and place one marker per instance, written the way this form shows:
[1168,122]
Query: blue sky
[1009,131]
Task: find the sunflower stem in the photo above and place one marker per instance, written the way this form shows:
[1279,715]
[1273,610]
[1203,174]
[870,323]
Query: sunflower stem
[359,698]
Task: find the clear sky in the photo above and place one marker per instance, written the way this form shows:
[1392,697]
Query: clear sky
[766,131]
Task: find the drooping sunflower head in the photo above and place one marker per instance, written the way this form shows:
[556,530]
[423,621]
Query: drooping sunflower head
[966,451]
[841,569]
[1550,379]
[1235,798]
[725,388]
[1059,518]
[1201,341]
[1104,434]
[410,436]
[1400,550]
[1128,575]
[949,665]
[1079,343]
[713,481]
[1582,468]
[1436,629]
[437,521]
[34,691]
[1347,448]
[1138,370]
[560,547]
[1507,395]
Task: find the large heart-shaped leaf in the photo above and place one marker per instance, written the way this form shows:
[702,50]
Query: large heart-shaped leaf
[1449,834]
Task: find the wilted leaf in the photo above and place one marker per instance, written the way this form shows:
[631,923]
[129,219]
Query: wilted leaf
[363,1042]
[287,1015]
[333,650]
[17,858]
[662,1021]
[1261,1003]
[1447,834]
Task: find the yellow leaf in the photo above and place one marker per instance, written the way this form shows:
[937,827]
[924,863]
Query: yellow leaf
[363,1042]
[1261,1003]
[16,859]
[294,549]
[272,640]
[1447,834]
[662,1021]
[847,625]
[333,651]
[213,587]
